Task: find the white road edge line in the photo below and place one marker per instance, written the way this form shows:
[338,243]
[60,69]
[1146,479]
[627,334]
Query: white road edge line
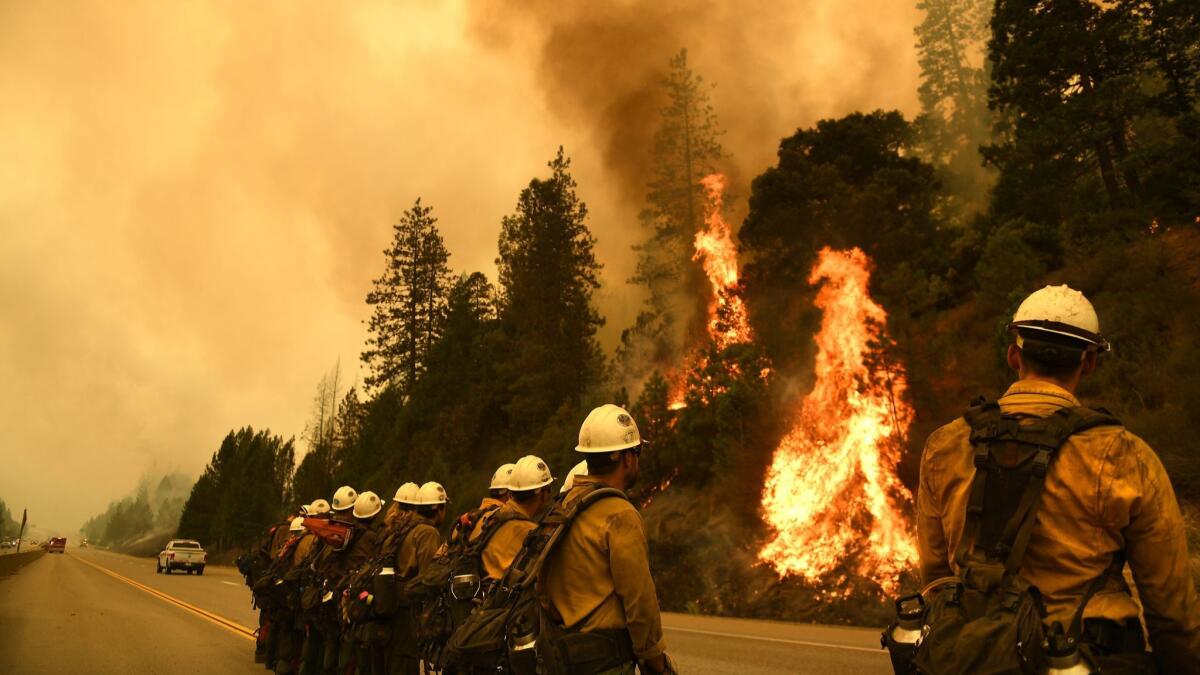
[771,639]
[231,583]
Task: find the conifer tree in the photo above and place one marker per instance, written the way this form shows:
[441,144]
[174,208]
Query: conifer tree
[687,147]
[548,273]
[408,302]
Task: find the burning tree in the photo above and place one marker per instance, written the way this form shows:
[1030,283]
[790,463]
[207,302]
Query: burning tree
[832,499]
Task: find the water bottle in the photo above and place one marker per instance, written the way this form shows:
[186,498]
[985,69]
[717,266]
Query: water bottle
[1063,657]
[904,636]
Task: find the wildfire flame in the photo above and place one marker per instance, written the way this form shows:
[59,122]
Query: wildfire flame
[727,320]
[832,497]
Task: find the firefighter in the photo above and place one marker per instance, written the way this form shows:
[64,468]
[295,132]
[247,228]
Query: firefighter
[416,552]
[598,579]
[367,535]
[401,507]
[266,648]
[497,497]
[312,650]
[288,621]
[329,568]
[579,469]
[1106,494]
[530,491]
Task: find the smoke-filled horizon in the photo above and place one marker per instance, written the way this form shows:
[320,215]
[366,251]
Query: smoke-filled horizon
[195,198]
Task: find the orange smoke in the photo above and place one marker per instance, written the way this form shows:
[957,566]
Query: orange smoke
[727,322]
[832,497]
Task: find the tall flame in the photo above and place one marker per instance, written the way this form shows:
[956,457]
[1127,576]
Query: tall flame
[727,321]
[832,498]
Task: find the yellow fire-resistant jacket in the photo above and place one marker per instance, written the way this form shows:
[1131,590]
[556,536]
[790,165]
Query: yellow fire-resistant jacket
[505,543]
[599,576]
[1105,491]
[487,503]
[418,548]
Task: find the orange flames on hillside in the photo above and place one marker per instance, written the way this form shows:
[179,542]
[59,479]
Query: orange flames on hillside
[832,499]
[727,321]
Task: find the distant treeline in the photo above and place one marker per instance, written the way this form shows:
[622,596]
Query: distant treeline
[150,513]
[9,525]
[1070,153]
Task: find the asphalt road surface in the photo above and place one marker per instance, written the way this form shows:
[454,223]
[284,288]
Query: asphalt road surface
[91,611]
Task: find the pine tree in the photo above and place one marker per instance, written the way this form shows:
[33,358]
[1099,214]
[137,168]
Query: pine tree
[408,302]
[955,119]
[1066,81]
[687,147]
[548,273]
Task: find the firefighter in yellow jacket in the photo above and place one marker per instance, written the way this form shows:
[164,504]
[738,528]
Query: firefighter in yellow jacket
[529,491]
[1105,492]
[415,553]
[598,579]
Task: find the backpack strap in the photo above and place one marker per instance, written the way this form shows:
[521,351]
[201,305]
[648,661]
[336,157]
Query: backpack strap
[491,527]
[984,418]
[1114,571]
[990,428]
[540,542]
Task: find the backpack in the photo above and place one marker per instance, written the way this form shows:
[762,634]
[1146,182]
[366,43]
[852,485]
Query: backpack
[988,619]
[512,632]
[372,592]
[454,584]
[271,590]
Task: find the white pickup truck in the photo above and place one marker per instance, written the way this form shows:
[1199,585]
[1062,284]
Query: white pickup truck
[182,554]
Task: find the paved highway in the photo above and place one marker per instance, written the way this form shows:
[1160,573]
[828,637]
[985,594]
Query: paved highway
[92,611]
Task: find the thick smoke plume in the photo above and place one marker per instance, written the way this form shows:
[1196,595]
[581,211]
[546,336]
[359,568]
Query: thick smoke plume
[775,67]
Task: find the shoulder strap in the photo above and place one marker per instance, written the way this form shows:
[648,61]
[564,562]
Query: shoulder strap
[550,530]
[989,428]
[391,546]
[491,528]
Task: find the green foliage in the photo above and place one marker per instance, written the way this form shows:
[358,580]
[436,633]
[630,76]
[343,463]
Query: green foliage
[548,273]
[246,487]
[1072,81]
[954,118]
[408,302]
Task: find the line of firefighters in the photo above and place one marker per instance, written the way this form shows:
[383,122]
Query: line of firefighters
[1030,508]
[352,587]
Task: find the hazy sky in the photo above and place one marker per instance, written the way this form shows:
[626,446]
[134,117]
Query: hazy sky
[194,197]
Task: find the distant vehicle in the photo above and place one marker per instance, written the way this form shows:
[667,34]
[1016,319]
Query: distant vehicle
[83,543]
[56,545]
[182,554]
[8,543]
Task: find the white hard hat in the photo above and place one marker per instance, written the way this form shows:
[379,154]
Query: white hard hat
[500,478]
[579,469]
[344,498]
[607,429]
[297,524]
[318,507]
[530,473]
[1060,310]
[304,509]
[367,504]
[407,493]
[431,494]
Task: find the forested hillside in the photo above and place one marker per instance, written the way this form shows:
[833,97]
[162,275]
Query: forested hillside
[143,520]
[1055,145]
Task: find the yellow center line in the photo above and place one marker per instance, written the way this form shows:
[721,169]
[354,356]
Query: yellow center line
[221,621]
